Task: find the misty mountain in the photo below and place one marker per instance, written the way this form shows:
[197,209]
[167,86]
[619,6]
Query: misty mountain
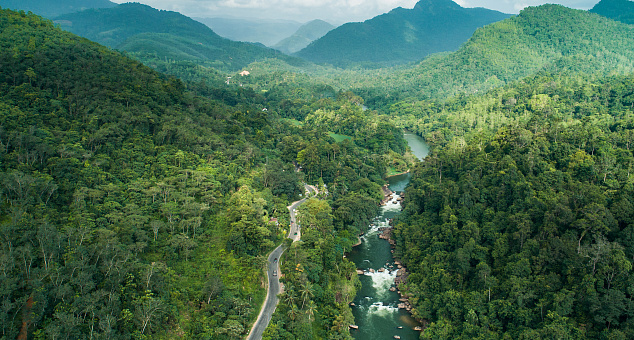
[547,38]
[402,35]
[306,34]
[267,32]
[51,9]
[619,10]
[137,28]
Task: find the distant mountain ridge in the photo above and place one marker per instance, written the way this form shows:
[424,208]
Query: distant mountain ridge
[402,35]
[306,34]
[53,8]
[138,28]
[547,38]
[267,32]
[619,10]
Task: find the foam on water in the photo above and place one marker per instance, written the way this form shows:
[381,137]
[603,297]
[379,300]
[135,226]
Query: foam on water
[393,205]
[381,282]
[378,309]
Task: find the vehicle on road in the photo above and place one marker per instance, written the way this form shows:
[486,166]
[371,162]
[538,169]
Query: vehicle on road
[275,273]
[275,260]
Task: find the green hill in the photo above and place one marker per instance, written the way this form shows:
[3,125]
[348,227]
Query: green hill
[306,34]
[524,231]
[134,205]
[51,9]
[402,35]
[620,10]
[548,37]
[141,29]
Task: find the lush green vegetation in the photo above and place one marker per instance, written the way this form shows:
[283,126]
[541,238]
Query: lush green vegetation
[136,205]
[51,9]
[548,37]
[620,10]
[400,36]
[524,231]
[164,35]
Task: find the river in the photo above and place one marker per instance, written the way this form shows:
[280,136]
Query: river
[375,306]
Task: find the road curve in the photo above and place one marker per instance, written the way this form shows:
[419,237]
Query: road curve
[272,272]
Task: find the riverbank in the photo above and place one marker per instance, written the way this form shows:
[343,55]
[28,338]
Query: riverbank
[394,268]
[397,174]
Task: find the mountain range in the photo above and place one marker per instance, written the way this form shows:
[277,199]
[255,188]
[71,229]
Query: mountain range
[402,35]
[50,9]
[266,32]
[549,38]
[306,34]
[138,28]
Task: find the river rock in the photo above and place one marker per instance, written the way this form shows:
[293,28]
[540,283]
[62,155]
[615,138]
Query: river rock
[371,270]
[418,328]
[354,327]
[392,289]
[381,270]
[360,272]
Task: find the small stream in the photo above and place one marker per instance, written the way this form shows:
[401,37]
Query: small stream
[375,310]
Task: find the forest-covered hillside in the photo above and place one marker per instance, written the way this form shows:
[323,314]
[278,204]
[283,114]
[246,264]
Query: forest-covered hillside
[548,37]
[620,10]
[156,34]
[525,231]
[401,36]
[51,9]
[135,205]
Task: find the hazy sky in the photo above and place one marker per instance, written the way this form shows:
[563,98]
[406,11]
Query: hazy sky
[334,11]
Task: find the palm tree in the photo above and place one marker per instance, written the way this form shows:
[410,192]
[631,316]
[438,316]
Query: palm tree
[289,298]
[306,293]
[293,312]
[311,309]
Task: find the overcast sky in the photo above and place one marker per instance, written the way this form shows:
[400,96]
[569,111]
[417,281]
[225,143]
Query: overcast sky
[334,11]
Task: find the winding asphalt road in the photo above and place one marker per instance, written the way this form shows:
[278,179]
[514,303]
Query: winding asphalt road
[273,272]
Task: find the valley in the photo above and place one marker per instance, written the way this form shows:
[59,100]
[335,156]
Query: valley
[147,163]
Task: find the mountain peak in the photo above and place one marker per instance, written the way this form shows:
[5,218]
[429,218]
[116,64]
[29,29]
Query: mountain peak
[619,10]
[426,4]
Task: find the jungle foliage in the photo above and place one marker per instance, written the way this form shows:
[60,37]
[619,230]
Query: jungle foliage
[136,205]
[523,229]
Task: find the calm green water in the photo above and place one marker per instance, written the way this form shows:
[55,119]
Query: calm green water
[419,148]
[375,311]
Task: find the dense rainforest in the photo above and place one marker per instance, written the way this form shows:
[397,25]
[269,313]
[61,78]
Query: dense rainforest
[164,35]
[136,205]
[140,192]
[524,231]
